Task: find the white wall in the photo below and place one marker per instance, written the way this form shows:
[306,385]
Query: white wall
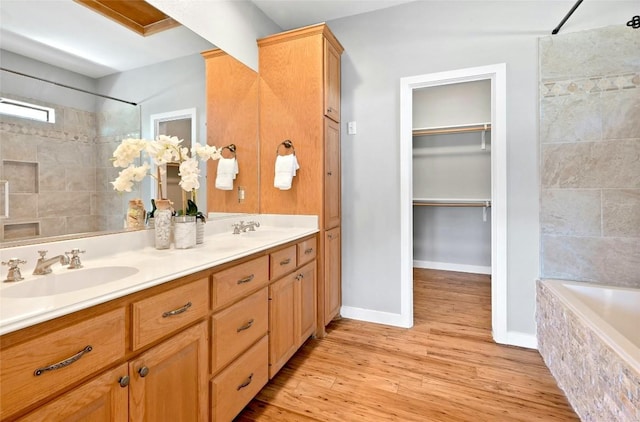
[25,87]
[231,25]
[432,36]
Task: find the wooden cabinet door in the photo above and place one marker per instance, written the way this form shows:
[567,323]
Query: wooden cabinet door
[283,330]
[332,274]
[169,381]
[331,82]
[306,301]
[102,399]
[331,174]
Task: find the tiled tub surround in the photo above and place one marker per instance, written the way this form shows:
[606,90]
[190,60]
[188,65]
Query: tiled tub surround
[59,173]
[592,347]
[590,156]
[135,249]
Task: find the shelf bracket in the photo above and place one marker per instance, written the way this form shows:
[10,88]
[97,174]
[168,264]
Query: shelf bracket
[483,143]
[484,211]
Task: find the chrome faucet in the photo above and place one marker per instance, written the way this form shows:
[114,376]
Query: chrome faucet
[242,227]
[43,266]
[75,259]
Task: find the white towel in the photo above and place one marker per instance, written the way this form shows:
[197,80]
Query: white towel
[286,166]
[227,170]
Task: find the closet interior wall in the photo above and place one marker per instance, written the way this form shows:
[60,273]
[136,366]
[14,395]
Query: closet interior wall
[452,177]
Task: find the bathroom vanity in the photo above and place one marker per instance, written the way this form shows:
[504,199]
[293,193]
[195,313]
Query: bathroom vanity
[191,335]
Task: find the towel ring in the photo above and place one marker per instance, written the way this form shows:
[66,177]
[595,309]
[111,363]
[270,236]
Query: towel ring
[288,145]
[230,147]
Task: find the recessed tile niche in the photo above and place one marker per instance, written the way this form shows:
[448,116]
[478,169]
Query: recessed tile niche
[22,176]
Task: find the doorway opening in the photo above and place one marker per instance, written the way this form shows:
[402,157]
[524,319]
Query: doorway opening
[495,75]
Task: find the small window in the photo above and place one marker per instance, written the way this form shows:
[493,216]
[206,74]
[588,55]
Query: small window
[27,110]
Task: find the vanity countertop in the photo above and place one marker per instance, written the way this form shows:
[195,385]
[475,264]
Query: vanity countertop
[27,302]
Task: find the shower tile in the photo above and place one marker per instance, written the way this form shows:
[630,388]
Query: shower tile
[67,153]
[621,212]
[621,114]
[591,165]
[52,178]
[614,261]
[571,118]
[23,205]
[570,212]
[579,54]
[82,224]
[64,204]
[18,147]
[109,203]
[80,179]
[53,226]
[104,177]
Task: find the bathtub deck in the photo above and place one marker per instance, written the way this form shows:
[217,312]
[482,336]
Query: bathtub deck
[446,368]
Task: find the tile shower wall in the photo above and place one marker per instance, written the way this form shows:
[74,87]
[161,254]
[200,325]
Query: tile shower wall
[58,174]
[590,156]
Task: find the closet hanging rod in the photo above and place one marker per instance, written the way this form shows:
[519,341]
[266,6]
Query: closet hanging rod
[567,16]
[480,203]
[451,129]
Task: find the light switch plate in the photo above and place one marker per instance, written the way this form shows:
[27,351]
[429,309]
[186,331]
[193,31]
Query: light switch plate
[351,128]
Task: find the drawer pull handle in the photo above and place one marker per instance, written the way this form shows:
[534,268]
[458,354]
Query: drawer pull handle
[285,261]
[177,311]
[246,279]
[63,363]
[144,371]
[246,383]
[245,326]
[308,251]
[124,381]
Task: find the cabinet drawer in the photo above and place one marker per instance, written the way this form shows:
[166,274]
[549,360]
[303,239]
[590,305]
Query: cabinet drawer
[164,313]
[283,261]
[38,368]
[240,382]
[306,251]
[238,327]
[237,281]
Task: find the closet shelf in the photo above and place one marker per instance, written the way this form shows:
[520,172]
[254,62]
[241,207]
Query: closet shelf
[440,202]
[441,130]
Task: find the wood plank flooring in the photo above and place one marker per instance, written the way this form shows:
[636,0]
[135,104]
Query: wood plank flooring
[445,368]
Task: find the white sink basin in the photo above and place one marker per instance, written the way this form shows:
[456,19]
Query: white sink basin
[67,281]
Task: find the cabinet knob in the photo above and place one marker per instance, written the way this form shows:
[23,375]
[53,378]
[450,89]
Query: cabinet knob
[144,371]
[124,381]
[329,173]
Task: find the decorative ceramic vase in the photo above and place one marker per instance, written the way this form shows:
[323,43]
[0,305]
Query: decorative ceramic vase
[184,231]
[135,214]
[199,231]
[162,224]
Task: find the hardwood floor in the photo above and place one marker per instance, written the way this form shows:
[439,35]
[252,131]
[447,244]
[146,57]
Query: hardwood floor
[445,368]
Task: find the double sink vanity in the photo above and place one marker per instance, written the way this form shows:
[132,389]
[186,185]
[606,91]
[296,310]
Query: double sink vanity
[143,334]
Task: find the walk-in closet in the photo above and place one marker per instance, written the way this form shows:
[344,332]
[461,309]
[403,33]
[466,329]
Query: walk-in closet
[452,177]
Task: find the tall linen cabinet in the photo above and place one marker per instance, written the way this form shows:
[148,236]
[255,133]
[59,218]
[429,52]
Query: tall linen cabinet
[300,101]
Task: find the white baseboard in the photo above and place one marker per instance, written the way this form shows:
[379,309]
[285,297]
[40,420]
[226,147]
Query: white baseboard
[378,317]
[515,338]
[463,268]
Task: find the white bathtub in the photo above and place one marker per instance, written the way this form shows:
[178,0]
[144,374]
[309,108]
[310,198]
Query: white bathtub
[589,336]
[612,312]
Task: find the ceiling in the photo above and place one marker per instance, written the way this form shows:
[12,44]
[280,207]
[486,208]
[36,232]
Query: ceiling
[71,36]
